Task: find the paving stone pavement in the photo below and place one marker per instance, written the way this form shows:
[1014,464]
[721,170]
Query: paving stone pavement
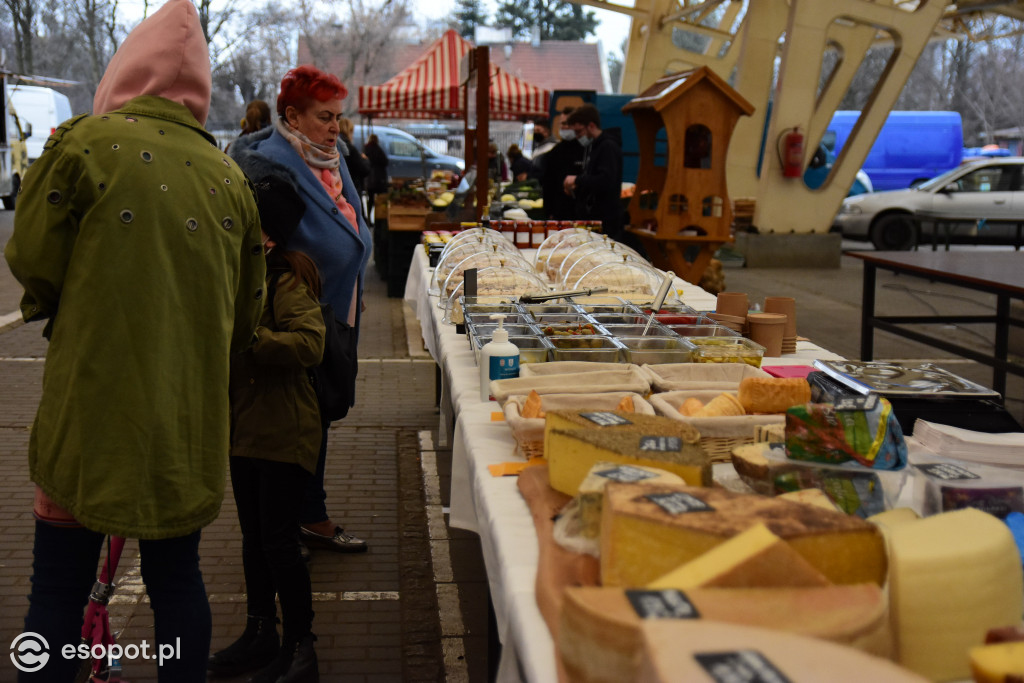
[377,615]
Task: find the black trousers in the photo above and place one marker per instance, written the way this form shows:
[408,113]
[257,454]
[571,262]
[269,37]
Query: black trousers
[269,495]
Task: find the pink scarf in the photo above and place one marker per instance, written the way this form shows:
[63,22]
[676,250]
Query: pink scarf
[323,161]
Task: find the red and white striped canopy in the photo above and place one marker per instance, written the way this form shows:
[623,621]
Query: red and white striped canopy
[429,88]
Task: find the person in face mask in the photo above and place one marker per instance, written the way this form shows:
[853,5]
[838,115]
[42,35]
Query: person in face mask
[597,187]
[563,159]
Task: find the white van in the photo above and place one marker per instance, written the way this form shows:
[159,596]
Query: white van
[43,108]
[13,159]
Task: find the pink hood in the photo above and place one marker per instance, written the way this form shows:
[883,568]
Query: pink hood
[166,55]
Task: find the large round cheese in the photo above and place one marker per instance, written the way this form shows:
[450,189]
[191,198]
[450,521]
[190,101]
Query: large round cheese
[711,652]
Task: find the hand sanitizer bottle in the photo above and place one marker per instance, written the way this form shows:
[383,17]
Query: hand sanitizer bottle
[499,358]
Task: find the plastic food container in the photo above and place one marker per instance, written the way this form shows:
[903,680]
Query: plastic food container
[487,329]
[586,347]
[703,331]
[637,330]
[550,309]
[657,350]
[532,349]
[582,328]
[726,350]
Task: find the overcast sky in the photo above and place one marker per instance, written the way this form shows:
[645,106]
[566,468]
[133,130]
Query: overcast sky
[612,30]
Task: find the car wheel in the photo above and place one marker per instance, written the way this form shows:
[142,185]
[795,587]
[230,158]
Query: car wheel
[894,232]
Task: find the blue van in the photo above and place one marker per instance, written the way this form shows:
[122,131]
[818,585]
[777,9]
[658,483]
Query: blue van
[912,146]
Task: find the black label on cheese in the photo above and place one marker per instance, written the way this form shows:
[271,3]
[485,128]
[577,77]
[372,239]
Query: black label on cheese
[663,444]
[666,604]
[678,503]
[606,419]
[739,666]
[947,471]
[626,473]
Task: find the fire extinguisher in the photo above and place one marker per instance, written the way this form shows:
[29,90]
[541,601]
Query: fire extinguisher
[793,154]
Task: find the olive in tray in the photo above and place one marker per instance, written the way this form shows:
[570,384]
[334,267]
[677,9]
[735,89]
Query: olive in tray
[571,329]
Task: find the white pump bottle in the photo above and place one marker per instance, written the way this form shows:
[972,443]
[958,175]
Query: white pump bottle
[499,358]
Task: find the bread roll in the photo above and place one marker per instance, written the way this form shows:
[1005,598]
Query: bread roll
[773,394]
[691,406]
[723,405]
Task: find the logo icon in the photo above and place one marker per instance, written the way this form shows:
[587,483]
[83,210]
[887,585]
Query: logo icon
[30,652]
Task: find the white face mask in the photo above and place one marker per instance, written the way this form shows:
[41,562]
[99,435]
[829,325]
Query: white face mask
[567,134]
[584,140]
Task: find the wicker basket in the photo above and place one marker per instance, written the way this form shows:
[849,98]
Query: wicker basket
[718,435]
[529,431]
[694,376]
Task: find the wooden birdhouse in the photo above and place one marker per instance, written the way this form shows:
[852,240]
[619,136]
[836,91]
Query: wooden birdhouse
[683,123]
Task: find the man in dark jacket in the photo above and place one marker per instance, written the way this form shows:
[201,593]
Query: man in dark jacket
[564,159]
[598,187]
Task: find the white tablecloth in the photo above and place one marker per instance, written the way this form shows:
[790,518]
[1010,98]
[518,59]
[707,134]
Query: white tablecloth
[490,506]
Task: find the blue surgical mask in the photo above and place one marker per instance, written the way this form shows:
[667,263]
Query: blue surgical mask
[567,134]
[584,140]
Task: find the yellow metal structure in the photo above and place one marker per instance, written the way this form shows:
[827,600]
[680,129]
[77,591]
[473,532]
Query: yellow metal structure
[754,44]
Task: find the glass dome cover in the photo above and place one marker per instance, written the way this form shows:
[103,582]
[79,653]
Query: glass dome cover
[549,259]
[575,264]
[500,281]
[480,261]
[623,278]
[449,261]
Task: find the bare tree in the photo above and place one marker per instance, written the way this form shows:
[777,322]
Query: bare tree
[23,13]
[353,46]
[94,27]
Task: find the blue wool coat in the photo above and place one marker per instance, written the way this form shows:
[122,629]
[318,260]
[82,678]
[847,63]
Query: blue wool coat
[324,234]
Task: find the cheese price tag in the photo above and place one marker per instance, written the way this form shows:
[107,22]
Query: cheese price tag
[627,474]
[947,472]
[678,503]
[741,666]
[606,419]
[662,444]
[665,604]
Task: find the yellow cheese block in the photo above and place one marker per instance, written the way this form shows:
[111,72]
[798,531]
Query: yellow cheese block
[591,492]
[599,636]
[952,577]
[998,663]
[815,497]
[686,650]
[894,517]
[647,531]
[752,558]
[575,441]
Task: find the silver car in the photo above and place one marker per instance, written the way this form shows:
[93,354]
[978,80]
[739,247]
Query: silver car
[989,192]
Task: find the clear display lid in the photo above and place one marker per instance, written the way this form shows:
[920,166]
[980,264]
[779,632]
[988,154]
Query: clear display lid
[575,266]
[552,251]
[497,282]
[627,279]
[480,260]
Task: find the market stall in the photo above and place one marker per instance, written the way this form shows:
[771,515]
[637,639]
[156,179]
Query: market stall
[433,88]
[488,450]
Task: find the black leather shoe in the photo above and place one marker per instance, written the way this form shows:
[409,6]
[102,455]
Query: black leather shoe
[340,542]
[256,648]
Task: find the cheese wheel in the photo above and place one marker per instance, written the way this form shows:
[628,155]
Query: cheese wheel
[600,639]
[773,394]
[647,531]
[952,577]
[688,650]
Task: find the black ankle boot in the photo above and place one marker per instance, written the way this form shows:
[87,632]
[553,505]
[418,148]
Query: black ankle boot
[303,667]
[257,647]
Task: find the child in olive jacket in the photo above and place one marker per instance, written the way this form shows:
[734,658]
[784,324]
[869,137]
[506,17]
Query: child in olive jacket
[275,439]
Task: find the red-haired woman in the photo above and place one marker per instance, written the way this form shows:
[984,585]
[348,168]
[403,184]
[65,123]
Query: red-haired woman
[302,148]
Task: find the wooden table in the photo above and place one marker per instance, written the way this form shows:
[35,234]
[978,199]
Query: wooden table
[997,273]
